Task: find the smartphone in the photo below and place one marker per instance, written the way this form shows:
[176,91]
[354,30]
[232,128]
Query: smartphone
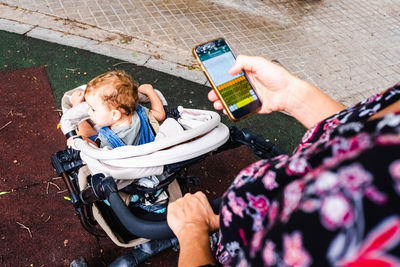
[235,91]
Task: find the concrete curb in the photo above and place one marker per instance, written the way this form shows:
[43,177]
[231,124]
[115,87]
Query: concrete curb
[130,49]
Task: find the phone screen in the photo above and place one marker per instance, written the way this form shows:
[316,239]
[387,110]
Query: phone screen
[236,91]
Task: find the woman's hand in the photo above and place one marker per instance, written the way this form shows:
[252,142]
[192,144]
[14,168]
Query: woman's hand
[192,219]
[192,213]
[280,91]
[272,82]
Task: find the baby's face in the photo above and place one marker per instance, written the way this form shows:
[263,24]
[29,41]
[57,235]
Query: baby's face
[99,113]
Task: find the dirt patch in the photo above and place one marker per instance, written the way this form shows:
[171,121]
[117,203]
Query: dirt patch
[39,227]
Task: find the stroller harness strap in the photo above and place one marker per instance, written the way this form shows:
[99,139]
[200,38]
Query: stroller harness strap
[146,134]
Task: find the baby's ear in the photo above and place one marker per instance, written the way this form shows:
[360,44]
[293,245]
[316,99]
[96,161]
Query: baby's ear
[116,114]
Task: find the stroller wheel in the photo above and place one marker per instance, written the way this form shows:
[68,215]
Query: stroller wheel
[144,251]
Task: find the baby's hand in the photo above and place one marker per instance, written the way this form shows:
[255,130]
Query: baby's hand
[70,141]
[145,89]
[77,97]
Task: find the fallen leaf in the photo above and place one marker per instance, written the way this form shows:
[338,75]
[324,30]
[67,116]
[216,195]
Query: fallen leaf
[194,67]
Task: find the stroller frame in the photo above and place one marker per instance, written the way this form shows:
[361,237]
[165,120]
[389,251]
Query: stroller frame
[90,189]
[67,164]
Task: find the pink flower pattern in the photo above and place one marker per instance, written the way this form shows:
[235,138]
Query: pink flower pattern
[273,212]
[269,255]
[373,251]
[310,205]
[297,166]
[373,194]
[256,242]
[269,180]
[389,139]
[226,216]
[237,204]
[292,196]
[336,211]
[327,181]
[260,203]
[345,148]
[394,170]
[330,124]
[294,253]
[354,178]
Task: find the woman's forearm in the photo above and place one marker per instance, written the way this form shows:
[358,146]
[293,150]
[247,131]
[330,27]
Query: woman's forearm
[195,249]
[191,218]
[309,105]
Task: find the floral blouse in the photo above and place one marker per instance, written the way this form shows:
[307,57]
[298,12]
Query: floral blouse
[334,202]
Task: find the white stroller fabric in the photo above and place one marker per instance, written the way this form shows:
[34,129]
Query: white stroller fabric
[196,132]
[204,133]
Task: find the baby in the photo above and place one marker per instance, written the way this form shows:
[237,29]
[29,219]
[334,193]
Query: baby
[114,109]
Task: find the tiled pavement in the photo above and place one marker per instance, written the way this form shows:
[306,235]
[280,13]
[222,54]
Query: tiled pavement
[351,49]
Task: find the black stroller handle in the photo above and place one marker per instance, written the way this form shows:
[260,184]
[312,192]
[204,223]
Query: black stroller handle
[143,228]
[135,225]
[105,188]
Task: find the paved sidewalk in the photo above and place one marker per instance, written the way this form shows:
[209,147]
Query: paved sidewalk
[351,49]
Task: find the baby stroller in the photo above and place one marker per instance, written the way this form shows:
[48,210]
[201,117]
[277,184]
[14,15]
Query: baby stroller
[123,193]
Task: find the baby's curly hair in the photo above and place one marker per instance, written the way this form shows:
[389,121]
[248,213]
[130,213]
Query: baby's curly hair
[117,90]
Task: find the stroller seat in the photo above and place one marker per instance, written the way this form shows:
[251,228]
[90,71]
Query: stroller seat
[173,144]
[95,175]
[192,133]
